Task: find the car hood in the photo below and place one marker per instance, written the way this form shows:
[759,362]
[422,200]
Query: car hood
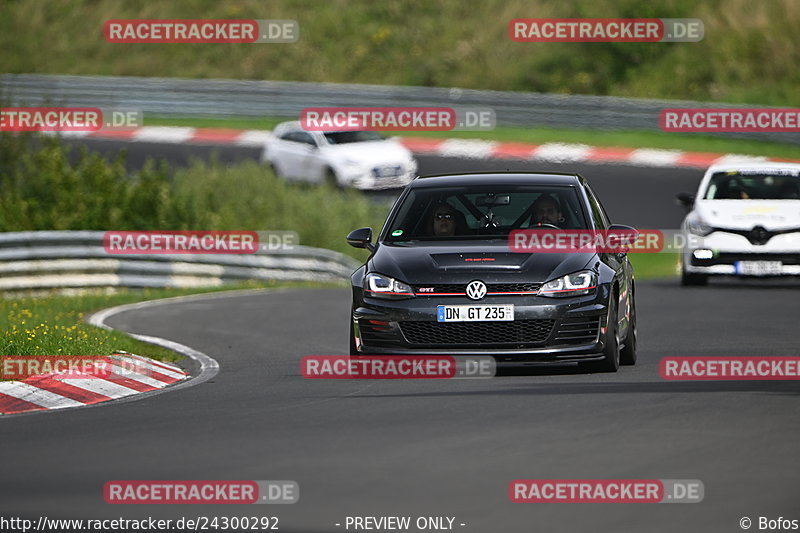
[746,214]
[372,152]
[462,262]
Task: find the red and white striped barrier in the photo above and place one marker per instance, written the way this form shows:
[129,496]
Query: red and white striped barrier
[129,375]
[464,148]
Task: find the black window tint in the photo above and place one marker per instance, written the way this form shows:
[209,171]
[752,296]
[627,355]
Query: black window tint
[305,138]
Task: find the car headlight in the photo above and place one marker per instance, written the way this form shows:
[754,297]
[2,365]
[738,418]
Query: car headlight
[351,162]
[380,286]
[697,226]
[576,284]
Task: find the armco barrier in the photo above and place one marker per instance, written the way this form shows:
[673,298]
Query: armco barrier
[62,259]
[248,98]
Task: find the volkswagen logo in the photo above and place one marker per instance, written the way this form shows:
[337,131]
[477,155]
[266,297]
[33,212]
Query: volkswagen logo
[476,290]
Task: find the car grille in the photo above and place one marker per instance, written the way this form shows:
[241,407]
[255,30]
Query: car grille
[728,258]
[516,333]
[577,330]
[758,235]
[459,289]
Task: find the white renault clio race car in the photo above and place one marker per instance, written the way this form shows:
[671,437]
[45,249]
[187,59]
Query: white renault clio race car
[360,159]
[743,221]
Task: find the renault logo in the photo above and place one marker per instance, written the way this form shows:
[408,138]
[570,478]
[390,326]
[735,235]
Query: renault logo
[476,290]
[759,236]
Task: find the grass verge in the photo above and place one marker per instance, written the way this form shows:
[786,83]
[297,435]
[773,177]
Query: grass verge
[626,139]
[653,266]
[54,324]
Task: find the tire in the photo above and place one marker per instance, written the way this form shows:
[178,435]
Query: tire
[274,170]
[627,355]
[693,280]
[611,354]
[331,180]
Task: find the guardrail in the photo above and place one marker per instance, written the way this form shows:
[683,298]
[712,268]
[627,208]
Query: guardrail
[247,98]
[66,259]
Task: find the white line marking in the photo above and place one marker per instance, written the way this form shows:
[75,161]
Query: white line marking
[254,138]
[155,368]
[562,152]
[40,397]
[736,159]
[100,386]
[655,158]
[134,358]
[126,372]
[472,148]
[165,134]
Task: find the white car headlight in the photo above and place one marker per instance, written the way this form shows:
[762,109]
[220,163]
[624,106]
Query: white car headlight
[351,162]
[380,286]
[697,226]
[575,284]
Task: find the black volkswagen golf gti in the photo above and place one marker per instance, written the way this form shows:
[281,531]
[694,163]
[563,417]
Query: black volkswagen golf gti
[442,278]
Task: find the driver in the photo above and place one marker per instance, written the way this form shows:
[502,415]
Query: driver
[546,211]
[443,220]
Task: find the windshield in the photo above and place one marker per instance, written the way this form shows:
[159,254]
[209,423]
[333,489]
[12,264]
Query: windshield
[741,185]
[344,137]
[485,211]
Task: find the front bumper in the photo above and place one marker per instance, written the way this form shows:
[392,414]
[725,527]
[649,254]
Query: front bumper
[728,251]
[544,329]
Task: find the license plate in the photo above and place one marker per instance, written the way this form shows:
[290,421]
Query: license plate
[758,268]
[474,313]
[387,172]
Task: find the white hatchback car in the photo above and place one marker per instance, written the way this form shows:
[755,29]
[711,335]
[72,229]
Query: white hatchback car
[744,221]
[360,159]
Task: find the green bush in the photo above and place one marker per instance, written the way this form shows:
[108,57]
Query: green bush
[46,186]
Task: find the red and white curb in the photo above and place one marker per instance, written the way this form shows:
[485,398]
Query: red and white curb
[463,148]
[46,393]
[129,375]
[575,153]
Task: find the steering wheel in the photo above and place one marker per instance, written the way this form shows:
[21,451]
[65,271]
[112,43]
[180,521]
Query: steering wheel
[544,225]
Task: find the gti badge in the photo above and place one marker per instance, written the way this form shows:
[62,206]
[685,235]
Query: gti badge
[476,290]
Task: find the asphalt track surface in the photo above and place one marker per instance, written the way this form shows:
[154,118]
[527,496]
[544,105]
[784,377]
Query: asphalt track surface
[439,448]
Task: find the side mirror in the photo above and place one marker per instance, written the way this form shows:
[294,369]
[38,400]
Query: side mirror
[685,199]
[361,238]
[628,233]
